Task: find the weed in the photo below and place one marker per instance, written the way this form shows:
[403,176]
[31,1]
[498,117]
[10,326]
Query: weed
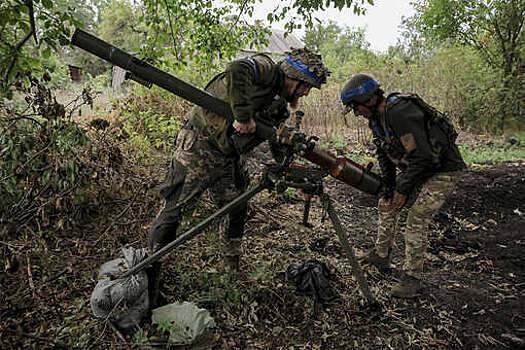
[491,154]
[288,195]
[140,337]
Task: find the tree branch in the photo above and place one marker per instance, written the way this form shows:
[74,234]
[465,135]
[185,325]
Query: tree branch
[472,40]
[18,46]
[32,19]
[171,25]
[241,10]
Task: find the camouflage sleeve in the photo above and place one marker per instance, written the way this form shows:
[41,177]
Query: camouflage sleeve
[241,80]
[388,170]
[408,122]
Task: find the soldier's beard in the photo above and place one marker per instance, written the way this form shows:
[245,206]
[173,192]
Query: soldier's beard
[293,101]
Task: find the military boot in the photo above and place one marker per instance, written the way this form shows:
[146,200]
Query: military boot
[409,287]
[232,253]
[382,264]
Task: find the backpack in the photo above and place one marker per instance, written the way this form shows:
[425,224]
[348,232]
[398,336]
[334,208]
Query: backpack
[434,118]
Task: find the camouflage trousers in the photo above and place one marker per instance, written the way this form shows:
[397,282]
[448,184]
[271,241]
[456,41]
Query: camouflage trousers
[197,167]
[413,220]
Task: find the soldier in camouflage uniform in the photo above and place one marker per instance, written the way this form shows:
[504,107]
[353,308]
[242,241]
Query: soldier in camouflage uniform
[205,157]
[415,139]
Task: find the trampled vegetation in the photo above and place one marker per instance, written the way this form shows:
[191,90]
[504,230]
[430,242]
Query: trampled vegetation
[79,164]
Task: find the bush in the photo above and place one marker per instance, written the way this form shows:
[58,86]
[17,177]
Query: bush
[152,119]
[40,171]
[49,167]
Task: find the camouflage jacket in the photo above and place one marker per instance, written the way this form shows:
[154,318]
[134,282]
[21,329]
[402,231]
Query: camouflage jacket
[251,85]
[406,140]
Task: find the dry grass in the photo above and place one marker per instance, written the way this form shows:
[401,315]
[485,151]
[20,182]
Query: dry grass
[324,117]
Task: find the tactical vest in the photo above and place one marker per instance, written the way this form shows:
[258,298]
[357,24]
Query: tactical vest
[434,117]
[265,102]
[441,133]
[385,139]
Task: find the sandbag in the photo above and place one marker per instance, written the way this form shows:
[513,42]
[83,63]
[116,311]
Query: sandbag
[123,301]
[188,324]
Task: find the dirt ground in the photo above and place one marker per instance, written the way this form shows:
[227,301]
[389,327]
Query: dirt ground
[475,295]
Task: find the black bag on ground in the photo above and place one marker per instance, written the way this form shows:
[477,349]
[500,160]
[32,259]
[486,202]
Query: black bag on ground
[312,278]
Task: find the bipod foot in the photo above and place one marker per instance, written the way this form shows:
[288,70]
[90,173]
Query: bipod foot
[316,310]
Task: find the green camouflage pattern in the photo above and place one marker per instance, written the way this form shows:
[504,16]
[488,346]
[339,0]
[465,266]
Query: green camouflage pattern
[312,60]
[249,85]
[197,166]
[413,220]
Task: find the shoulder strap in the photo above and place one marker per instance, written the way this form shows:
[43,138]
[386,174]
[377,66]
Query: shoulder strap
[433,117]
[254,66]
[429,111]
[215,78]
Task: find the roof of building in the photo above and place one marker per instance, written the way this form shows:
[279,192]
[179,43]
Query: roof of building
[278,43]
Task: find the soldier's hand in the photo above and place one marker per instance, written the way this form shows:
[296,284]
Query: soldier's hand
[245,128]
[384,203]
[284,135]
[398,200]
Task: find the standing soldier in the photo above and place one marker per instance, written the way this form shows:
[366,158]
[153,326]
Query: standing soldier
[205,157]
[419,141]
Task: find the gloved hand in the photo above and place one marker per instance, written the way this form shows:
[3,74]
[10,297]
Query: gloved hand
[285,135]
[245,128]
[397,202]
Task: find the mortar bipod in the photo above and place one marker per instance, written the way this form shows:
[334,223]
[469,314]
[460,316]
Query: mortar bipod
[310,180]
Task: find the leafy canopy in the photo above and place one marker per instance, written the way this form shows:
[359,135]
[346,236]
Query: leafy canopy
[493,27]
[198,31]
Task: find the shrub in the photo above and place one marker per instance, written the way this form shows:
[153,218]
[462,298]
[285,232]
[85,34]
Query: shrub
[50,170]
[40,170]
[152,119]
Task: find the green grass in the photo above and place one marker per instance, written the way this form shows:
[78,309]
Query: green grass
[492,154]
[498,150]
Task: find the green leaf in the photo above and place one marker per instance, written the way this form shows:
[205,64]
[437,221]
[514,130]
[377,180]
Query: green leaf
[48,4]
[46,53]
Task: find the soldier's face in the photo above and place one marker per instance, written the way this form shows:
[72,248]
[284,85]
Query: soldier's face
[295,89]
[366,109]
[302,89]
[363,111]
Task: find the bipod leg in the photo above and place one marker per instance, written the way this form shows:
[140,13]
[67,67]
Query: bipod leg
[195,230]
[306,212]
[356,268]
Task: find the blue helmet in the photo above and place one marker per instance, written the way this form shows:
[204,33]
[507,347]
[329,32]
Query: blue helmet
[359,89]
[305,65]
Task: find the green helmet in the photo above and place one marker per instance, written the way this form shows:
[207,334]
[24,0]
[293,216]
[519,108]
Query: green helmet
[360,88]
[305,65]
